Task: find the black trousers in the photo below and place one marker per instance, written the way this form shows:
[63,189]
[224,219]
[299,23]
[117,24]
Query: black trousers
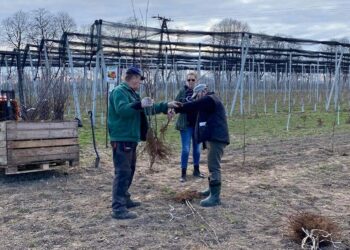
[124,160]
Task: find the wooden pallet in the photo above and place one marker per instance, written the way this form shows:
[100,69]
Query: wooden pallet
[38,144]
[39,167]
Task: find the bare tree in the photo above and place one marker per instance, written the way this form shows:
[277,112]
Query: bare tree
[15,29]
[229,25]
[266,42]
[65,22]
[333,48]
[43,26]
[231,36]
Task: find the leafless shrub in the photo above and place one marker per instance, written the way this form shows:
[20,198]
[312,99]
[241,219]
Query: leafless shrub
[187,195]
[155,148]
[52,97]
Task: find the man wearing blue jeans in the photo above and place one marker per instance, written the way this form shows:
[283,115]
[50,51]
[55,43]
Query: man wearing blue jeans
[186,124]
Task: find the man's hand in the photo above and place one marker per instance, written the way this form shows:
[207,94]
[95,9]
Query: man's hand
[147,102]
[174,104]
[171,114]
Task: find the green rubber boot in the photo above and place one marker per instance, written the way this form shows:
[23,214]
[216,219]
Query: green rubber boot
[214,197]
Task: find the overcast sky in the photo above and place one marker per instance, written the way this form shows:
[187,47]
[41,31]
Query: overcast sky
[299,18]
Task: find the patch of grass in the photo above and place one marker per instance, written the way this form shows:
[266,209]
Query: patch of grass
[168,191]
[230,218]
[271,125]
[23,210]
[328,169]
[85,133]
[261,127]
[32,244]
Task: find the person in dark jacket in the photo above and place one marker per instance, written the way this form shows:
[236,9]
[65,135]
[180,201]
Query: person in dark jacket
[186,124]
[211,128]
[127,125]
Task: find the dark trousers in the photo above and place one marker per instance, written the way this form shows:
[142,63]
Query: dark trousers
[215,152]
[124,160]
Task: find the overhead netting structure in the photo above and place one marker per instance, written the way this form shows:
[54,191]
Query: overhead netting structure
[251,72]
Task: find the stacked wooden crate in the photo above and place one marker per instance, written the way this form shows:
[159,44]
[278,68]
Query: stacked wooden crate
[36,146]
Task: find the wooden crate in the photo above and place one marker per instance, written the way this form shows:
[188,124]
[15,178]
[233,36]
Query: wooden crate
[37,143]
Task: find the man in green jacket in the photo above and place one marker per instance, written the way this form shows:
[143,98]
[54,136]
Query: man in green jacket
[127,125]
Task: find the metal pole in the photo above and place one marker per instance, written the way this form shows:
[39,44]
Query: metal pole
[165,74]
[33,76]
[244,53]
[289,91]
[335,82]
[75,91]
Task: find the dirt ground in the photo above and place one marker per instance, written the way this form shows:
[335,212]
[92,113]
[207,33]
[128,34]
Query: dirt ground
[70,208]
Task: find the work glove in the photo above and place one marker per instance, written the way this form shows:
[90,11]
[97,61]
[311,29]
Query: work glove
[174,104]
[146,102]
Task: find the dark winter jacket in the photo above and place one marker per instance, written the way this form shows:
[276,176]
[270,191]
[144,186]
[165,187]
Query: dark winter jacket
[211,124]
[189,119]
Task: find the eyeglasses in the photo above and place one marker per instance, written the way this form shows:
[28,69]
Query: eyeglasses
[191,80]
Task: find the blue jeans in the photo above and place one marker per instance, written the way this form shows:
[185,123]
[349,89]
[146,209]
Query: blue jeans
[186,136]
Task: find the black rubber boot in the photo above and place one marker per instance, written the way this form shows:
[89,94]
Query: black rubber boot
[196,172]
[183,175]
[214,197]
[130,203]
[124,215]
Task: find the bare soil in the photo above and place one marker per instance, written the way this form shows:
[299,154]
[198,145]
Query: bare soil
[70,208]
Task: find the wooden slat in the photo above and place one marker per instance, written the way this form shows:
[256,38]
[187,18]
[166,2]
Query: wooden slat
[3,151]
[3,144]
[3,160]
[11,170]
[41,125]
[43,158]
[42,143]
[41,134]
[2,126]
[14,153]
[3,136]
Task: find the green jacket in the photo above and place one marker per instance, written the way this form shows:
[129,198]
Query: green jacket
[126,118]
[181,122]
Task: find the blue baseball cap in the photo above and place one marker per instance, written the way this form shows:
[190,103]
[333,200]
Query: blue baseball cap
[133,70]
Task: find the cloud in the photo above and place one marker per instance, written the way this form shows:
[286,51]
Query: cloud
[314,19]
